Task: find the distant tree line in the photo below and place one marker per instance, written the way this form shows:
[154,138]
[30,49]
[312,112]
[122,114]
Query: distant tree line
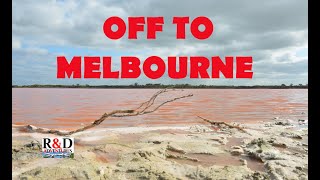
[177,86]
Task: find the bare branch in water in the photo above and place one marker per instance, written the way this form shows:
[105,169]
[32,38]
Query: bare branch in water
[144,108]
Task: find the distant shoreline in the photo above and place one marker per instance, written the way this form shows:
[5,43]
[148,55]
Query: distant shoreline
[159,86]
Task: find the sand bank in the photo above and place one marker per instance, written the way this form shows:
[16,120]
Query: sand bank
[274,150]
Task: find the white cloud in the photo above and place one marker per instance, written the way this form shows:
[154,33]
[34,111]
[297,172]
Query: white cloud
[272,33]
[16,44]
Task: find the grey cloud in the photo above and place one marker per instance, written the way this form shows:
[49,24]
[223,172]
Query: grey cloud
[248,27]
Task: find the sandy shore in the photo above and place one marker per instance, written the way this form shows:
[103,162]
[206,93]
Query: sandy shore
[273,150]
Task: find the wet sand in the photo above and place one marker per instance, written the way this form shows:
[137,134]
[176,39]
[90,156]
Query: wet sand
[269,150]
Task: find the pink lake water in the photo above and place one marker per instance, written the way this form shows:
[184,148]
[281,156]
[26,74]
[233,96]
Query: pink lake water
[71,108]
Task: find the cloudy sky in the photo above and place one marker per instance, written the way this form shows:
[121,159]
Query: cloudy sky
[274,33]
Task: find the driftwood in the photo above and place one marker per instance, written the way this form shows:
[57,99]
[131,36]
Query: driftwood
[144,108]
[219,123]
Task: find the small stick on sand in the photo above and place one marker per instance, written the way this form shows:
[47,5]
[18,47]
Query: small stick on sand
[219,123]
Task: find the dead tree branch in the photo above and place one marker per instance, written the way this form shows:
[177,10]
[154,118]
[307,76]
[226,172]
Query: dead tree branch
[219,123]
[144,108]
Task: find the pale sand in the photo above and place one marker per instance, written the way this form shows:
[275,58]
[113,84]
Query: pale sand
[269,151]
